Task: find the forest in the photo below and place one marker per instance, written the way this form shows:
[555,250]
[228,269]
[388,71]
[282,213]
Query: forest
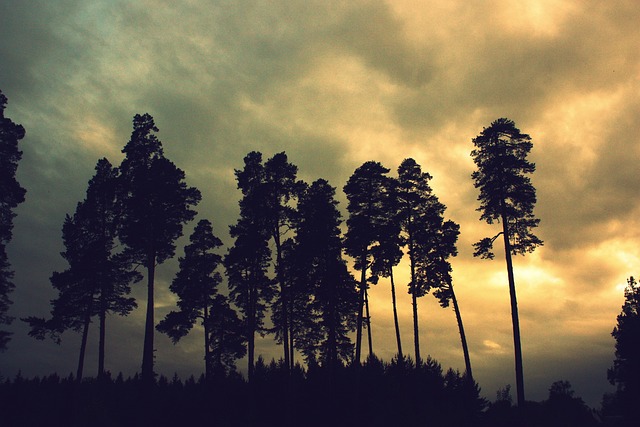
[296,271]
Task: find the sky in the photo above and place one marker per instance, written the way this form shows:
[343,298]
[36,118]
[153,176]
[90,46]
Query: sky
[335,84]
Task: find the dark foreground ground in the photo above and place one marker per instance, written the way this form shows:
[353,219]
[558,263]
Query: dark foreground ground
[373,395]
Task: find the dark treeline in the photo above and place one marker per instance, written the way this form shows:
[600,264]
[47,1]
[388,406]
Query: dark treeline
[372,394]
[287,275]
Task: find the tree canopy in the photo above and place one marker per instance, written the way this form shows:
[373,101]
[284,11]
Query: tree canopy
[11,195]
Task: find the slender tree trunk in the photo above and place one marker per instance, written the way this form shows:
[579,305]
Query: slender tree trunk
[283,299]
[416,337]
[251,335]
[463,337]
[101,341]
[83,344]
[147,352]
[366,305]
[514,312]
[207,347]
[395,317]
[414,301]
[363,287]
[103,298]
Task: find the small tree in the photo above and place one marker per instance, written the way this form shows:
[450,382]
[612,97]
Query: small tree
[11,195]
[507,196]
[196,285]
[226,339]
[625,372]
[156,203]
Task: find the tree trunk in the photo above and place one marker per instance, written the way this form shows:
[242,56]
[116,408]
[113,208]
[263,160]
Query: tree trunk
[101,341]
[416,337]
[414,301]
[366,305]
[283,298]
[147,352]
[514,312]
[463,337]
[207,346]
[251,335]
[395,316]
[363,287]
[83,344]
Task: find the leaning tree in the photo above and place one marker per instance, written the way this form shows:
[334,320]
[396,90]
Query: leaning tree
[421,219]
[508,197]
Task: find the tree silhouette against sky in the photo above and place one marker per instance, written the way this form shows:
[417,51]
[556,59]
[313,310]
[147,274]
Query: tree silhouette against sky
[156,203]
[247,261]
[420,215]
[506,196]
[625,372]
[365,191]
[98,279]
[196,285]
[11,195]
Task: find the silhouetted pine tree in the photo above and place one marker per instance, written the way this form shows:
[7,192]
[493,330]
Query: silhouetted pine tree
[366,191]
[98,279]
[329,295]
[388,252]
[196,285]
[625,372]
[421,219]
[247,261]
[507,196]
[280,187]
[156,203]
[11,195]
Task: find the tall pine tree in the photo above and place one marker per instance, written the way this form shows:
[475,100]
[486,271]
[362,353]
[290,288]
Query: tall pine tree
[507,196]
[420,215]
[329,297]
[280,187]
[156,203]
[366,192]
[247,261]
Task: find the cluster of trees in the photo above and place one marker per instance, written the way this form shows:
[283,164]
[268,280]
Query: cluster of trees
[288,256]
[288,261]
[131,216]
